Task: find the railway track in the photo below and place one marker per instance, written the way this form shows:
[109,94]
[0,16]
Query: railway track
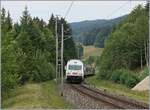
[109,99]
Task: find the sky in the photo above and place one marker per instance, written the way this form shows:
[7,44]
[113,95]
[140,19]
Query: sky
[80,10]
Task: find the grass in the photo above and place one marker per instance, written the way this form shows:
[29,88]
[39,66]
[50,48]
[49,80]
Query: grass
[119,89]
[92,51]
[36,95]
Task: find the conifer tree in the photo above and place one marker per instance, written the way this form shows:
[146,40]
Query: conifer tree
[8,22]
[25,19]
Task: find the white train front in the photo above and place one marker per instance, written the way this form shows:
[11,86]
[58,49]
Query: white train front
[74,71]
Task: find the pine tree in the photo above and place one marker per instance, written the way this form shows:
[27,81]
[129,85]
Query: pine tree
[8,22]
[9,64]
[3,16]
[25,19]
[51,24]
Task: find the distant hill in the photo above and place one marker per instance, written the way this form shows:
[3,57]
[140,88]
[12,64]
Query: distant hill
[93,32]
[91,51]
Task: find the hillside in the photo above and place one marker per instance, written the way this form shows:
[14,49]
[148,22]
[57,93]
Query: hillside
[126,49]
[93,32]
[91,51]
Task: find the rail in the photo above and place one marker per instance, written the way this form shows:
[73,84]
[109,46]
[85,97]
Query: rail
[109,99]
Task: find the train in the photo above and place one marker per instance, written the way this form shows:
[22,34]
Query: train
[89,70]
[76,71]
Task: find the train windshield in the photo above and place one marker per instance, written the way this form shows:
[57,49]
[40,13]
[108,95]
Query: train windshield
[75,67]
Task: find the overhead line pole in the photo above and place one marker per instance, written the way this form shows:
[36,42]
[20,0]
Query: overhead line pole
[56,50]
[62,49]
[77,53]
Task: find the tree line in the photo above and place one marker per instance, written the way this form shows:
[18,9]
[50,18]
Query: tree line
[127,49]
[94,32]
[28,49]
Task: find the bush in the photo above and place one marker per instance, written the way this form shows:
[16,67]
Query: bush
[9,81]
[125,76]
[36,68]
[144,73]
[42,69]
[105,74]
[116,76]
[131,81]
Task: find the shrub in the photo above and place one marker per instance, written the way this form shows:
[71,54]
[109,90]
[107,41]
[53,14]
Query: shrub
[42,70]
[125,77]
[144,73]
[131,81]
[116,76]
[105,74]
[128,78]
[9,81]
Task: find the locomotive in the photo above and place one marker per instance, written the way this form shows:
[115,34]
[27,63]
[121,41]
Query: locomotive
[74,71]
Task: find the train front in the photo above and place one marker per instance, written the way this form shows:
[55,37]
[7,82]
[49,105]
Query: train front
[74,71]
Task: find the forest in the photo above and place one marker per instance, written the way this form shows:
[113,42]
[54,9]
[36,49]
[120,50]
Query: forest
[94,32]
[127,49]
[28,49]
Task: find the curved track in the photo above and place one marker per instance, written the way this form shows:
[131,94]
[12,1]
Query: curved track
[108,99]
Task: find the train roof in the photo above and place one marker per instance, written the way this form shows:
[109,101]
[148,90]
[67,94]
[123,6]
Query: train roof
[75,61]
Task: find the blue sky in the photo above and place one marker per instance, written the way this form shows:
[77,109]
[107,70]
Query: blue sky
[81,10]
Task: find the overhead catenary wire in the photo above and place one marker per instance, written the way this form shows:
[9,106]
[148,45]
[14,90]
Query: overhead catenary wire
[67,12]
[69,8]
[113,12]
[116,10]
[62,48]
[109,15]
[62,39]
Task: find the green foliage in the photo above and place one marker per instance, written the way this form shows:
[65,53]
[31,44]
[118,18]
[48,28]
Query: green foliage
[129,78]
[79,48]
[116,76]
[90,60]
[125,47]
[38,44]
[51,24]
[35,95]
[144,73]
[102,36]
[9,67]
[94,32]
[69,45]
[119,89]
[125,76]
[28,49]
[43,70]
[9,81]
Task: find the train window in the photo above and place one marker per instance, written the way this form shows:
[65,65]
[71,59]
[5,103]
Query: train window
[75,67]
